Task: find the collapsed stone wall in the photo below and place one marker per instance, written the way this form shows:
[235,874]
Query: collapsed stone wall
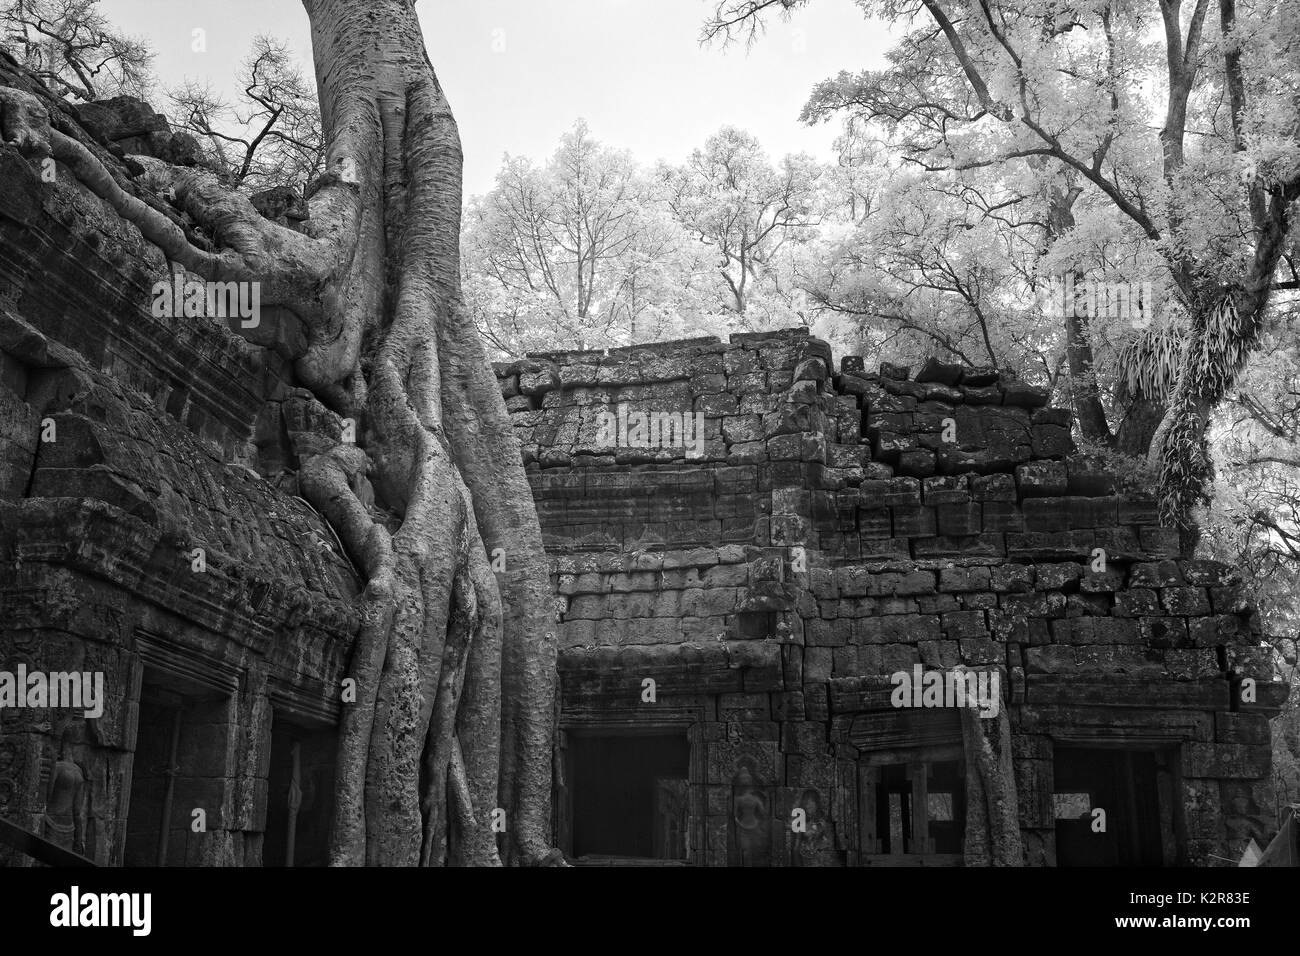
[832,529]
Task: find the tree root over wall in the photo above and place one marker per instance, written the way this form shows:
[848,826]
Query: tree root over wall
[454,665]
[992,808]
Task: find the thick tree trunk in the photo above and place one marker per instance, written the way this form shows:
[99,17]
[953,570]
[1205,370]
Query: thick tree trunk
[1225,327]
[1138,427]
[1226,322]
[449,643]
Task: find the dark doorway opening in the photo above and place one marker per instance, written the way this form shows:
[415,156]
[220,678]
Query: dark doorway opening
[921,808]
[1123,784]
[300,794]
[179,769]
[630,795]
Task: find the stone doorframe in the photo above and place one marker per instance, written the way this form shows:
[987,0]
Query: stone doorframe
[666,717]
[1164,732]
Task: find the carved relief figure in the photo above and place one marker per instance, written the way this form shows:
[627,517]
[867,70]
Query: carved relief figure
[66,800]
[815,845]
[751,819]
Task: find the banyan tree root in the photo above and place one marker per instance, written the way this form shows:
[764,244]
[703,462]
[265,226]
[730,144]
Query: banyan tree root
[992,806]
[452,728]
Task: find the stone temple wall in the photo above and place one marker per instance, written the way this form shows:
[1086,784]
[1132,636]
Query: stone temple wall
[131,447]
[832,529]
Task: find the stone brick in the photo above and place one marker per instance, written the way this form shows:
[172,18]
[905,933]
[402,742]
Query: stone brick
[1027,396]
[993,488]
[1073,630]
[1100,581]
[943,373]
[1051,441]
[891,583]
[1185,601]
[1033,604]
[937,603]
[953,546]
[1225,761]
[959,518]
[817,664]
[742,428]
[964,579]
[895,372]
[883,549]
[1209,574]
[852,581]
[1055,577]
[1041,478]
[963,624]
[1238,728]
[1155,574]
[1012,578]
[1113,630]
[1047,514]
[1137,602]
[892,492]
[1229,600]
[1159,541]
[914,522]
[917,462]
[1212,631]
[1002,516]
[980,600]
[875,522]
[979,651]
[1138,510]
[946,489]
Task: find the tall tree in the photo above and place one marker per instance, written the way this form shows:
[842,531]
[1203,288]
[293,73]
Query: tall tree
[577,253]
[72,46]
[454,665]
[730,196]
[271,135]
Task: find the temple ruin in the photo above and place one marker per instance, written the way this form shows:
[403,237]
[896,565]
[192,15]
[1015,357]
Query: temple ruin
[737,616]
[809,615]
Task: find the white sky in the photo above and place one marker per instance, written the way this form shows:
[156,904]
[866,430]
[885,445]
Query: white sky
[633,69]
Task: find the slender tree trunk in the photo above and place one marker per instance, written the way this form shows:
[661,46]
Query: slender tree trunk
[1083,380]
[1084,390]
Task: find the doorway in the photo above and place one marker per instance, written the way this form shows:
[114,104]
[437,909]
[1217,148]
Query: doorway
[300,789]
[1108,807]
[179,769]
[630,794]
